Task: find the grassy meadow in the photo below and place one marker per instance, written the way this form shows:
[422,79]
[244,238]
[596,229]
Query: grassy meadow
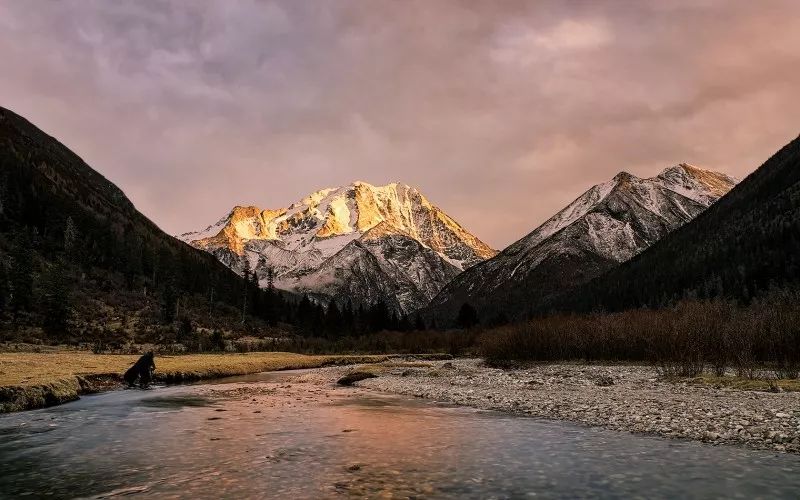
[27,368]
[33,380]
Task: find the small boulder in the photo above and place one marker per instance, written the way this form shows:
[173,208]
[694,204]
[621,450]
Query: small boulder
[604,381]
[353,377]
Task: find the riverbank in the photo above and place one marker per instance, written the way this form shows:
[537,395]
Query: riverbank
[37,380]
[621,397]
[294,434]
[632,398]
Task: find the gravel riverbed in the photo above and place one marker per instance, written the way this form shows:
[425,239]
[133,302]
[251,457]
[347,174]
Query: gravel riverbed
[621,397]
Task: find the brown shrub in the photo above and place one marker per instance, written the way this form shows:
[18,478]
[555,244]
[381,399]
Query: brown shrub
[680,341]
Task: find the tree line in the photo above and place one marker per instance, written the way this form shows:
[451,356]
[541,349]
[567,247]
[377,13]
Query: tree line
[682,340]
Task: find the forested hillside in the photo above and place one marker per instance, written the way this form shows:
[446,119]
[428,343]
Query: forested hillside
[66,233]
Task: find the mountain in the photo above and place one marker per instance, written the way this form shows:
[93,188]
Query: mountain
[360,242]
[744,246]
[608,224]
[77,258]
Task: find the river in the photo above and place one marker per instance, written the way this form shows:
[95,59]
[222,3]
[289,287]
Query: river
[270,436]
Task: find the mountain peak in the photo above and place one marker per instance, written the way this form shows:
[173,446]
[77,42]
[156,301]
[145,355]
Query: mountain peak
[624,176]
[683,169]
[391,185]
[609,223]
[693,181]
[298,240]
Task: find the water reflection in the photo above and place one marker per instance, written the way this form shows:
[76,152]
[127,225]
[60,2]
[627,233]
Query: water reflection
[275,437]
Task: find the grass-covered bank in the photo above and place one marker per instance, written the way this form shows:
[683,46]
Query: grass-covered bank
[36,380]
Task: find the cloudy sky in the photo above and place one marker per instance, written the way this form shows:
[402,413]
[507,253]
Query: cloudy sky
[501,112]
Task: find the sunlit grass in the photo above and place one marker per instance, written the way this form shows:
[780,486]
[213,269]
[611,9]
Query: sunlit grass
[27,369]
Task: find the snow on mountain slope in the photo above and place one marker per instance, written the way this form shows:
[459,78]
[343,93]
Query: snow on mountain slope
[606,225]
[359,242]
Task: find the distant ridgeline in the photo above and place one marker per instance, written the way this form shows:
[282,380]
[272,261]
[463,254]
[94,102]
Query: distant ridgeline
[605,226]
[744,245]
[78,262]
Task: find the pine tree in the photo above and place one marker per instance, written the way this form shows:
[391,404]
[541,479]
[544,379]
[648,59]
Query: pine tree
[270,278]
[185,330]
[333,320]
[379,317]
[348,318]
[280,309]
[499,319]
[3,195]
[55,302]
[360,320]
[70,236]
[217,341]
[5,288]
[419,324]
[245,287]
[305,315]
[404,325]
[318,320]
[133,265]
[21,277]
[267,311]
[254,293]
[467,316]
[169,302]
[262,263]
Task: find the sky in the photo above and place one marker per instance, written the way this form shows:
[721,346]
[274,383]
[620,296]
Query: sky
[500,112]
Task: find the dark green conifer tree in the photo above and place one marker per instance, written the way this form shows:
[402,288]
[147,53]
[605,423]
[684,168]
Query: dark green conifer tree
[21,276]
[333,320]
[55,303]
[419,324]
[169,301]
[467,316]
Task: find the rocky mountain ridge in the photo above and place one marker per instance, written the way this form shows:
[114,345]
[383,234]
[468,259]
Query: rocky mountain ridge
[608,224]
[359,242]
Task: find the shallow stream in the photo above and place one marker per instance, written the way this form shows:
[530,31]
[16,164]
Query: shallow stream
[268,436]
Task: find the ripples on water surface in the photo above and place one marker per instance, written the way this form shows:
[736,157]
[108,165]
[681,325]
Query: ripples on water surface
[303,441]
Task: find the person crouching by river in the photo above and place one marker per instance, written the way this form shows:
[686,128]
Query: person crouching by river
[142,371]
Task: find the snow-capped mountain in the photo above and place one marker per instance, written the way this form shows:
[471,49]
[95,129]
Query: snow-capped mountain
[606,225]
[359,242]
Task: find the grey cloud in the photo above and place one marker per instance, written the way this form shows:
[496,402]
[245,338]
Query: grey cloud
[501,112]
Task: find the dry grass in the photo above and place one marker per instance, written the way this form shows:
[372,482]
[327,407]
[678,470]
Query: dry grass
[30,369]
[36,380]
[687,340]
[748,384]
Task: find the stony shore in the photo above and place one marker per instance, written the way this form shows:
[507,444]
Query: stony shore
[621,397]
